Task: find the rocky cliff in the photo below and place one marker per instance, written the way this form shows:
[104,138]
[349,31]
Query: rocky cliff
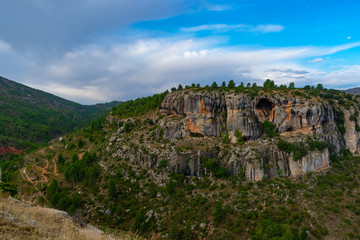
[214,113]
[197,124]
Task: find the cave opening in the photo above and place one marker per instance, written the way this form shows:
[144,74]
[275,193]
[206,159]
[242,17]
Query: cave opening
[265,106]
[289,129]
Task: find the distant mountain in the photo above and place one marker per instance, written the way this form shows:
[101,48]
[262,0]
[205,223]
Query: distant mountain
[355,91]
[29,117]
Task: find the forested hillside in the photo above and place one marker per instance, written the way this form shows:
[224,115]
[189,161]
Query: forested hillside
[29,117]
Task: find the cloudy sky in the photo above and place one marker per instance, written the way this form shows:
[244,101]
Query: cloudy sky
[92,51]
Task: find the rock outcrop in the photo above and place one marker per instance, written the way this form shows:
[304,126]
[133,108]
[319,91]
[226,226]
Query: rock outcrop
[214,113]
[351,135]
[208,117]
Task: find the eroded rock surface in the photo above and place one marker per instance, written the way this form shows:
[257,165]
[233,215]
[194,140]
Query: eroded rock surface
[209,116]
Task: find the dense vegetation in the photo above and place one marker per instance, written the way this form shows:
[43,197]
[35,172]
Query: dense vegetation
[139,106]
[29,117]
[300,149]
[276,208]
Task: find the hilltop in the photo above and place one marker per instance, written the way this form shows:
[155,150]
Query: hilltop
[354,91]
[209,162]
[29,117]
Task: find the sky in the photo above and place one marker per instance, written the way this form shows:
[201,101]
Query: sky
[92,51]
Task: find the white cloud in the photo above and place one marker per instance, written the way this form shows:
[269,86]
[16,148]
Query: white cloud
[79,94]
[316,60]
[268,28]
[4,47]
[218,7]
[122,71]
[345,76]
[236,27]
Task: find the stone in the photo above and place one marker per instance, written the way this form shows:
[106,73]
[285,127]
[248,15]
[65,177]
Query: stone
[120,131]
[108,212]
[33,222]
[113,139]
[149,215]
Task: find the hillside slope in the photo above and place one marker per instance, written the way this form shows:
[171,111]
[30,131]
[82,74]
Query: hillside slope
[210,163]
[29,116]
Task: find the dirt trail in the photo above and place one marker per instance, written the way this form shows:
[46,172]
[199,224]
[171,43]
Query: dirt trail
[55,166]
[25,176]
[43,172]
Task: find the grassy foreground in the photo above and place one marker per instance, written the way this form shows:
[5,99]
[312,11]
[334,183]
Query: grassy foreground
[22,221]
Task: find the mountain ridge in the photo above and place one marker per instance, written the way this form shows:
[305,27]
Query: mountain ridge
[30,117]
[354,91]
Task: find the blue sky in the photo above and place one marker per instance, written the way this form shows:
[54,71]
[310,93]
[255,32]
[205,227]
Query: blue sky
[93,51]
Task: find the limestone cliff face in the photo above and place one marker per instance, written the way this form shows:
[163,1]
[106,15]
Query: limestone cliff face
[201,109]
[351,135]
[211,115]
[214,113]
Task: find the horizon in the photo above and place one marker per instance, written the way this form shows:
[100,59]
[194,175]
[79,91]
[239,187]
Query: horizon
[120,50]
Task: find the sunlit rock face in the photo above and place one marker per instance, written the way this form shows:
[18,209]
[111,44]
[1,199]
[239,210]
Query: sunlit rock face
[217,114]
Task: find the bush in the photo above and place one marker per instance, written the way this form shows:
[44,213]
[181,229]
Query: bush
[163,163]
[140,105]
[239,136]
[215,169]
[285,146]
[268,229]
[221,172]
[317,145]
[352,117]
[226,138]
[8,188]
[269,129]
[298,149]
[139,222]
[219,213]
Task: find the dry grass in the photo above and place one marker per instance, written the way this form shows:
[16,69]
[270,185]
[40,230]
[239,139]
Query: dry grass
[22,221]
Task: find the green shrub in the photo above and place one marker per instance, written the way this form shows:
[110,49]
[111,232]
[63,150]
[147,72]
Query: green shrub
[226,138]
[285,146]
[8,188]
[140,105]
[317,145]
[219,213]
[298,149]
[239,136]
[214,168]
[162,163]
[269,129]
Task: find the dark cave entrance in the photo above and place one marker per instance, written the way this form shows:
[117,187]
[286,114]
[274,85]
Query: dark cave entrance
[264,106]
[289,129]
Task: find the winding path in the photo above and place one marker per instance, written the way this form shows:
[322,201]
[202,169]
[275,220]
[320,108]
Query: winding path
[43,172]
